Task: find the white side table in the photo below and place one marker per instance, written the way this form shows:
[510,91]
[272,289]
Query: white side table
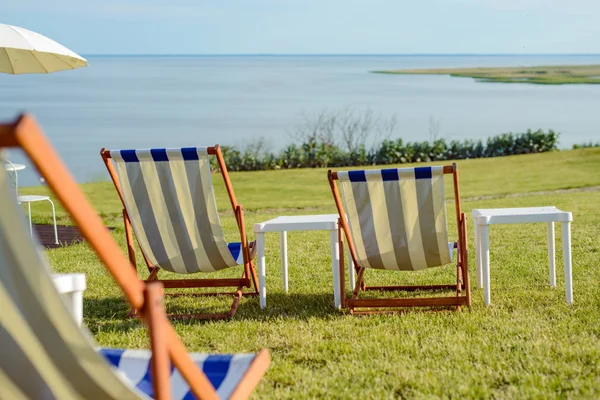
[71,287]
[483,218]
[10,167]
[327,222]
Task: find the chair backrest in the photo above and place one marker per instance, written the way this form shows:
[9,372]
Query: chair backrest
[169,197]
[43,352]
[397,217]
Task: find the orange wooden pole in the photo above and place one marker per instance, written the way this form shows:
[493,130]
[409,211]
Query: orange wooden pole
[340,207]
[246,251]
[157,324]
[225,174]
[342,263]
[129,237]
[105,154]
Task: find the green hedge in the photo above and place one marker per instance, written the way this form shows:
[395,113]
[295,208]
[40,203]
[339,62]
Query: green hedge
[315,153]
[586,145]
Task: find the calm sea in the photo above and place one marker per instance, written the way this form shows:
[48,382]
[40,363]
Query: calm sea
[169,101]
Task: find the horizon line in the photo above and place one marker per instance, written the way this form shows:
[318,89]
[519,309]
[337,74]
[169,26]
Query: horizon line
[328,55]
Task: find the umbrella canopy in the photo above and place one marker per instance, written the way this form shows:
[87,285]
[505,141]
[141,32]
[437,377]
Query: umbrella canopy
[26,52]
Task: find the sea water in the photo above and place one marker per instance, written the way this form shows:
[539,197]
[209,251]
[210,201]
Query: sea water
[170,101]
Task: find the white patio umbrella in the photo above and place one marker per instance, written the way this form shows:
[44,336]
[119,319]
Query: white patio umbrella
[25,52]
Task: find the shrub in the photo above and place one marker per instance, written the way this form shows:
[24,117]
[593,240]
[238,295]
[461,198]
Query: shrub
[586,145]
[316,151]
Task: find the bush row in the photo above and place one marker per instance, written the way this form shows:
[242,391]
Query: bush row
[586,145]
[315,153]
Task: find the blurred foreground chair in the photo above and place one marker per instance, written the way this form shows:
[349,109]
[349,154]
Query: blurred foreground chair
[395,219]
[45,355]
[168,199]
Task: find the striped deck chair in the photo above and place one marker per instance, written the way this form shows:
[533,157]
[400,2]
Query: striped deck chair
[169,201]
[395,219]
[43,352]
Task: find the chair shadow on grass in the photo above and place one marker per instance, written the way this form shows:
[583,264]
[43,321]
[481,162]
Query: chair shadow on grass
[112,313]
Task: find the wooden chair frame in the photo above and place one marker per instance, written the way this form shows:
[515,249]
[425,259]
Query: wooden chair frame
[249,269]
[166,345]
[384,305]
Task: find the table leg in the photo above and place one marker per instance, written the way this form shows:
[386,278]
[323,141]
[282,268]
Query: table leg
[262,284]
[478,255]
[484,248]
[284,258]
[566,240]
[335,262]
[75,299]
[351,277]
[551,253]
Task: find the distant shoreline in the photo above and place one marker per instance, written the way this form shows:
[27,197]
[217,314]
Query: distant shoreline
[350,55]
[542,75]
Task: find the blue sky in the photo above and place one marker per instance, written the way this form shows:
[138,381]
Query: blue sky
[312,26]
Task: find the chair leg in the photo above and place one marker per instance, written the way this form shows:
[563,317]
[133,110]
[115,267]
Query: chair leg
[459,270]
[254,277]
[153,274]
[359,283]
[459,277]
[236,302]
[342,266]
[465,263]
[54,220]
[466,283]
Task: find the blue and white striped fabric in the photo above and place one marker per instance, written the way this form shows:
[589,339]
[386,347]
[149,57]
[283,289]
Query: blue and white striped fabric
[223,371]
[397,217]
[169,197]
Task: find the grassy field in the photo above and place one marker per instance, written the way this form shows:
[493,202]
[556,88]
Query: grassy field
[528,344]
[549,75]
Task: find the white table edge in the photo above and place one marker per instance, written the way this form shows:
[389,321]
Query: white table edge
[295,226]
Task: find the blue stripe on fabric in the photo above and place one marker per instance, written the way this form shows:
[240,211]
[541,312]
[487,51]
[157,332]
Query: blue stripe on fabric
[189,396]
[423,173]
[357,176]
[129,156]
[189,153]
[234,249]
[216,367]
[145,384]
[113,356]
[390,174]
[159,154]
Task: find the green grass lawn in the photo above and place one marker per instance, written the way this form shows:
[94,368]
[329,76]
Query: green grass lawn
[528,344]
[545,75]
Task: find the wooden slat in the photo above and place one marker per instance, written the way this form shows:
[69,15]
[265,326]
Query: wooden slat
[197,283]
[411,288]
[418,302]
